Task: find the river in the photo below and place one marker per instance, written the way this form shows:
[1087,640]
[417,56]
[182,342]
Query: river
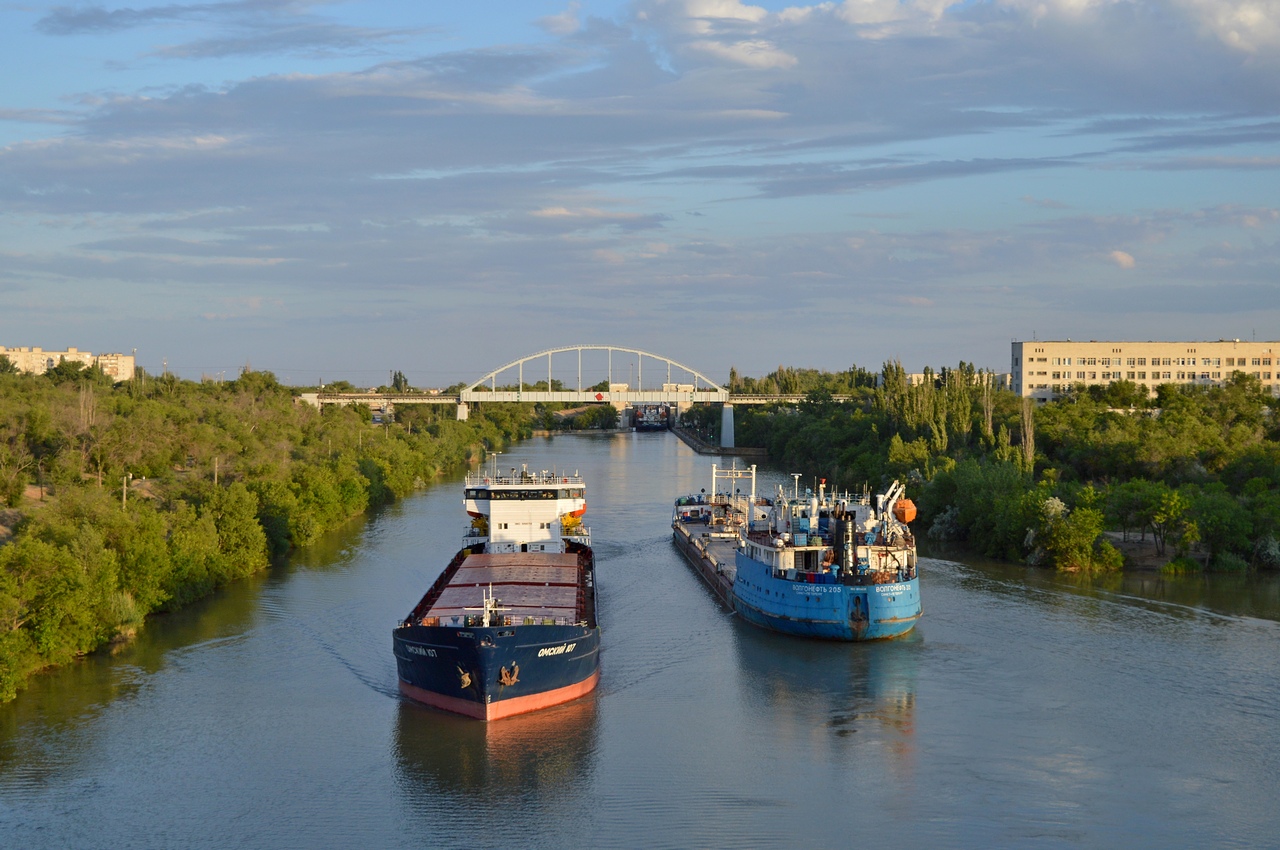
[1025,710]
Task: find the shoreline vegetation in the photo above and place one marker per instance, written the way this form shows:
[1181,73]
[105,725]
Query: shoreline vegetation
[1101,479]
[122,500]
[119,501]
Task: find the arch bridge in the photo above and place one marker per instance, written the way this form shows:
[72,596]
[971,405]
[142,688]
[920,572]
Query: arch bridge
[536,381]
[533,379]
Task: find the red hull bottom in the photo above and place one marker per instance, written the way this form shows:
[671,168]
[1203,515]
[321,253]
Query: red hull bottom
[505,708]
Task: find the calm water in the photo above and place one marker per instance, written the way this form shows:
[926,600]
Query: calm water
[1023,711]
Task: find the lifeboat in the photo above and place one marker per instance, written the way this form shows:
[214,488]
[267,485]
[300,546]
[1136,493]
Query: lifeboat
[904,511]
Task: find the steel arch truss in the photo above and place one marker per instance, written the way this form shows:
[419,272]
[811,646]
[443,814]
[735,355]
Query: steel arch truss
[692,386]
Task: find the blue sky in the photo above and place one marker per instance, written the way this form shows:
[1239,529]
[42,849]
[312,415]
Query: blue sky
[339,189]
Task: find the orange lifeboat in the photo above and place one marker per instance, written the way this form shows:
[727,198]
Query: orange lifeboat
[904,511]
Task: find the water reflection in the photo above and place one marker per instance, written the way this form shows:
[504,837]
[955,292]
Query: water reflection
[440,755]
[47,728]
[1252,594]
[863,689]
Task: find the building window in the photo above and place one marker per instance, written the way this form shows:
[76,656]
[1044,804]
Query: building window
[1142,376]
[1266,376]
[1066,361]
[1231,361]
[1129,361]
[1080,375]
[1057,375]
[1132,375]
[1217,376]
[1165,362]
[1217,361]
[1057,361]
[1256,362]
[1182,376]
[1093,376]
[1266,361]
[1142,361]
[1091,361]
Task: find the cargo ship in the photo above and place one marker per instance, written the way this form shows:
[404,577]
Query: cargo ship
[509,627]
[652,417]
[822,565]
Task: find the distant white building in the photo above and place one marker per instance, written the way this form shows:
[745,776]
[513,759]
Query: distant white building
[1044,369]
[37,361]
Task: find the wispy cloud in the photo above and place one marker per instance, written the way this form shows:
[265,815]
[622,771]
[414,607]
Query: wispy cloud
[994,156]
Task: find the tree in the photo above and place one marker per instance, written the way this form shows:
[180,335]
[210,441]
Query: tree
[1028,435]
[1169,514]
[1223,523]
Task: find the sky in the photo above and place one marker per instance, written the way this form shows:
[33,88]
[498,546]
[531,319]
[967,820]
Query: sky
[334,190]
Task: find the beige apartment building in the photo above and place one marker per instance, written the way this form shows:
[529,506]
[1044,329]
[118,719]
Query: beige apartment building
[37,361]
[1043,369]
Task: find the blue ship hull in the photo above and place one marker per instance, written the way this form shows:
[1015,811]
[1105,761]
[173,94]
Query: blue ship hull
[826,609]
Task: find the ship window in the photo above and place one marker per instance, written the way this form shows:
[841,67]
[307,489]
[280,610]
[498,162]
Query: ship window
[521,495]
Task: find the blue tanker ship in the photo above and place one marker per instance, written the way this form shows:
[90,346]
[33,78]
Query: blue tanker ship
[820,565]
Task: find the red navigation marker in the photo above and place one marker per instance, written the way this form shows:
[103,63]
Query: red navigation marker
[599,397]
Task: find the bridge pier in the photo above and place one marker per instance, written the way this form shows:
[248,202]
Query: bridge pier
[463,410]
[726,427]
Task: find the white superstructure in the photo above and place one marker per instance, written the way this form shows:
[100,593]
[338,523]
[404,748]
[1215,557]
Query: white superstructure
[524,511]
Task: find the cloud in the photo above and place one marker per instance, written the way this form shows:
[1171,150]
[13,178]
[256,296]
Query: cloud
[982,154]
[249,27]
[564,23]
[1043,203]
[1122,259]
[757,53]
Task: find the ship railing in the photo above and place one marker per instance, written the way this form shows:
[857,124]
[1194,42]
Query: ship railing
[478,479]
[430,597]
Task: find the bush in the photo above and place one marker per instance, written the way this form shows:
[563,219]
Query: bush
[1181,566]
[1228,562]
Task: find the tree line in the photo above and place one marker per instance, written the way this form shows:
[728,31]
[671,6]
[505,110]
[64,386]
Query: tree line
[140,497]
[1196,468]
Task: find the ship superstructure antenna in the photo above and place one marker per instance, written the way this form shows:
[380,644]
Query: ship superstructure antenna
[488,608]
[796,476]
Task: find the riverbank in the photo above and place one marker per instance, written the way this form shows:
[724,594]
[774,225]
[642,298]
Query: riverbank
[702,447]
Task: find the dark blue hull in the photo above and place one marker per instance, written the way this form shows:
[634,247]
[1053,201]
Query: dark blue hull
[496,671]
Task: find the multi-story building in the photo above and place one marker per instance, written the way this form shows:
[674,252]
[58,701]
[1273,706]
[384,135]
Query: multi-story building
[1044,369]
[37,361]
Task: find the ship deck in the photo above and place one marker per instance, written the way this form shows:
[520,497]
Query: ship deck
[530,587]
[711,552]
